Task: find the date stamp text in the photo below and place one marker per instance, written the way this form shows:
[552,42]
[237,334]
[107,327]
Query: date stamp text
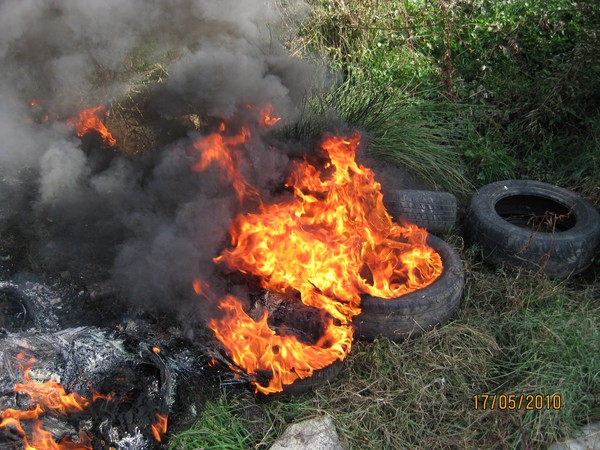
[515,402]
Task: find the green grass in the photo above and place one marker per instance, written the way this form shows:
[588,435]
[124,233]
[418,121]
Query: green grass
[522,76]
[553,347]
[218,428]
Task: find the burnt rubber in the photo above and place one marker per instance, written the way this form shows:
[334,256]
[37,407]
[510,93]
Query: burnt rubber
[417,312]
[306,385]
[433,210]
[534,225]
[14,316]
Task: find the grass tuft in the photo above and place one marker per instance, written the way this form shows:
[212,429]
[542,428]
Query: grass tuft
[218,428]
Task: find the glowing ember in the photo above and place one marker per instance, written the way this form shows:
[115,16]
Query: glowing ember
[332,241]
[91,119]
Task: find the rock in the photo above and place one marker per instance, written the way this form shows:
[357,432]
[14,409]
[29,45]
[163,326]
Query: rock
[313,434]
[588,438]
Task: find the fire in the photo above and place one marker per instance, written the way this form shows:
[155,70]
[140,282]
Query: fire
[45,397]
[91,119]
[267,116]
[331,241]
[159,427]
[225,152]
[258,349]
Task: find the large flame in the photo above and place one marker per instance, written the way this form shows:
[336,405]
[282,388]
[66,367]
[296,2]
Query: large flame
[91,119]
[282,358]
[331,240]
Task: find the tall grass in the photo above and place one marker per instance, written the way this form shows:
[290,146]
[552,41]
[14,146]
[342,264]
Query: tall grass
[418,135]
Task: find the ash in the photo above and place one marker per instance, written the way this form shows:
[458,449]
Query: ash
[144,364]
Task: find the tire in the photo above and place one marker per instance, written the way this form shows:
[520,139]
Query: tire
[433,210]
[14,316]
[413,314]
[305,385]
[534,225]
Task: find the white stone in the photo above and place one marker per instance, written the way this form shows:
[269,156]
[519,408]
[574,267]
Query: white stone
[587,439]
[313,434]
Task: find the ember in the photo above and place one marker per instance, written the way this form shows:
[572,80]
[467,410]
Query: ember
[45,397]
[331,241]
[90,120]
[59,400]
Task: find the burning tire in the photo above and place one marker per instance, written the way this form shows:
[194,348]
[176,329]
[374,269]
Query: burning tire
[433,210]
[306,385]
[535,225]
[417,312]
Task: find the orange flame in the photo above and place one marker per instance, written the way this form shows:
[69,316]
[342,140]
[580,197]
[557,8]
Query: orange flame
[332,241]
[225,152]
[267,116]
[91,119]
[258,349]
[159,427]
[48,396]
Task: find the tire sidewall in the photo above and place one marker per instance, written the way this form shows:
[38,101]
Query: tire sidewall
[418,311]
[560,253]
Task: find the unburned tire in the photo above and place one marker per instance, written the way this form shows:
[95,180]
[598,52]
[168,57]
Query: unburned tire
[432,210]
[417,312]
[534,225]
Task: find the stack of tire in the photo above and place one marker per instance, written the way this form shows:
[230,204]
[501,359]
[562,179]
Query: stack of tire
[417,312]
[530,224]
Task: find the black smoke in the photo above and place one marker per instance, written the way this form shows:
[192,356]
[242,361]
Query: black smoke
[148,222]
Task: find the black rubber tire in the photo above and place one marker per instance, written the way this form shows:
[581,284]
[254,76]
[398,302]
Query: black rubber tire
[560,250]
[432,210]
[14,316]
[413,314]
[306,385]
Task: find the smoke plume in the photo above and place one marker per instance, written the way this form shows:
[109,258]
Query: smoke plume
[149,220]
